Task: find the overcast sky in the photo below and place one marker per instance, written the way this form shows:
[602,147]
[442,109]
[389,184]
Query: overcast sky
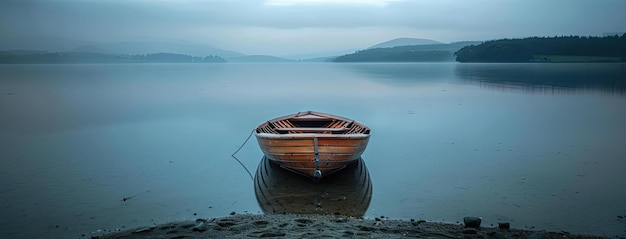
[284,27]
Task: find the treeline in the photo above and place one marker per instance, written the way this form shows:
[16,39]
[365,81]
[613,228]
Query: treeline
[547,49]
[384,55]
[42,57]
[411,53]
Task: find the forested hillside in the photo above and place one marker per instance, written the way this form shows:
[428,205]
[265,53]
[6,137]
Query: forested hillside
[415,53]
[547,49]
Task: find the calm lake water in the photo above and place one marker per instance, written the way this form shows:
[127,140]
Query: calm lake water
[541,146]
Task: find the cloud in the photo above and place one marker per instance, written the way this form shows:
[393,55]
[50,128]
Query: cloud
[288,25]
[380,3]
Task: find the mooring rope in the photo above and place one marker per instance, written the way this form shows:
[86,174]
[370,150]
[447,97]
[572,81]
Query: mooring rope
[233,155]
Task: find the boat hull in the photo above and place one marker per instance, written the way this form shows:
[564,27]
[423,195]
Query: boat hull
[312,143]
[299,152]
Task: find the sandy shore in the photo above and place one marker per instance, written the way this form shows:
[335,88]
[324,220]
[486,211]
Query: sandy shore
[319,226]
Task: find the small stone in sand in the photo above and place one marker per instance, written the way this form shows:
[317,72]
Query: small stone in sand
[504,225]
[473,222]
[200,226]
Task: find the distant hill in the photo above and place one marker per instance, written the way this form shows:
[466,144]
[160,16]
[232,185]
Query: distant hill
[43,57]
[547,49]
[258,58]
[405,41]
[134,47]
[319,59]
[151,46]
[412,53]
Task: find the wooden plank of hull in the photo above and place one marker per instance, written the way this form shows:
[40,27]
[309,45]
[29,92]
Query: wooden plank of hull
[322,142]
[311,157]
[311,163]
[305,163]
[302,158]
[311,150]
[308,141]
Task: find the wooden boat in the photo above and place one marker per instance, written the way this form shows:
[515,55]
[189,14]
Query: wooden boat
[312,143]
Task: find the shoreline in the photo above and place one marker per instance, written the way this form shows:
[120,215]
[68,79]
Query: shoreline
[326,226]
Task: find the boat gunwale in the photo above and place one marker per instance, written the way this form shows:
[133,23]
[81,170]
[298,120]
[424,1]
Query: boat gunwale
[311,135]
[309,112]
[323,116]
[299,161]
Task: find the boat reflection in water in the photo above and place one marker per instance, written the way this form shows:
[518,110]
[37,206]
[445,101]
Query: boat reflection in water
[347,192]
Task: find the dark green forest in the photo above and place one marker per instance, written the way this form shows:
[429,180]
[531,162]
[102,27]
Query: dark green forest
[42,57]
[547,49]
[413,53]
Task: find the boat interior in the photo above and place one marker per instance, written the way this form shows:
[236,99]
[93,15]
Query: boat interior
[312,123]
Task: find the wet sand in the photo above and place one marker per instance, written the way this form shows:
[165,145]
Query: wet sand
[320,226]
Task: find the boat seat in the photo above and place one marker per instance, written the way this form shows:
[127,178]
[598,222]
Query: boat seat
[267,129]
[355,129]
[337,124]
[285,124]
[310,130]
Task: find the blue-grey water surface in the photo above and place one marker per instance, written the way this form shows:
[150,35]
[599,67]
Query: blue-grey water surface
[538,145]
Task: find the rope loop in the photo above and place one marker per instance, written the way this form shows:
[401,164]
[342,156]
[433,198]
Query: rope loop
[233,155]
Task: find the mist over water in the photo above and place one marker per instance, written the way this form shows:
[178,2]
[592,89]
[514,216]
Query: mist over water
[537,145]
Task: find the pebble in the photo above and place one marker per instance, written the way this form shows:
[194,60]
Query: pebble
[200,226]
[415,223]
[504,225]
[473,222]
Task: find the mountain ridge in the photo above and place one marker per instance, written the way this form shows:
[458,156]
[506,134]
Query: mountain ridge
[196,49]
[408,53]
[405,41]
[258,58]
[152,46]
